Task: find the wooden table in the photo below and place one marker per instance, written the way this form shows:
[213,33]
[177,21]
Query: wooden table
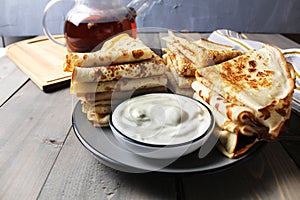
[41,158]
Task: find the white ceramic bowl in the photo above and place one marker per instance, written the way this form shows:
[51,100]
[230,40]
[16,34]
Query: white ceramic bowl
[162,147]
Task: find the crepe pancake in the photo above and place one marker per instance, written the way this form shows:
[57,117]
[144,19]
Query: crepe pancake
[186,54]
[219,56]
[118,95]
[119,49]
[229,116]
[99,102]
[99,120]
[173,86]
[212,45]
[152,67]
[120,85]
[100,109]
[218,52]
[177,83]
[182,81]
[232,142]
[234,145]
[189,56]
[260,80]
[231,110]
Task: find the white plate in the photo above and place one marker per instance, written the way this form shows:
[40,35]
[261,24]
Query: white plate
[102,144]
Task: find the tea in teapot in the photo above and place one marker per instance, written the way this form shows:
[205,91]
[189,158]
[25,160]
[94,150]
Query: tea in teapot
[90,22]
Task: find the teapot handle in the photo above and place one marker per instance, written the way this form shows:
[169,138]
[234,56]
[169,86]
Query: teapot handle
[45,28]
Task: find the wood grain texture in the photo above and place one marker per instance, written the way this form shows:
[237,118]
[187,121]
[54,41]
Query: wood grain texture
[11,79]
[78,175]
[269,175]
[34,126]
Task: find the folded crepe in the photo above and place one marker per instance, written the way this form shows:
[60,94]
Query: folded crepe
[122,68]
[146,68]
[188,55]
[99,120]
[123,84]
[212,45]
[119,49]
[109,96]
[181,81]
[100,108]
[218,52]
[173,86]
[229,116]
[260,80]
[230,110]
[250,96]
[232,142]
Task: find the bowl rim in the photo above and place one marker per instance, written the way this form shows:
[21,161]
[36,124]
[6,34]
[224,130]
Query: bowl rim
[140,143]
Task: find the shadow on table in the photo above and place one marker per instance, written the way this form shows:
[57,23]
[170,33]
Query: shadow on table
[269,174]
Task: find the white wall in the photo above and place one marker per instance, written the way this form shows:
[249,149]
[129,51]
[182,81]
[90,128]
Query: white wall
[21,18]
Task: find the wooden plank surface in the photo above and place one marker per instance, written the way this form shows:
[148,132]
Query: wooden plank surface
[34,126]
[269,175]
[78,175]
[11,79]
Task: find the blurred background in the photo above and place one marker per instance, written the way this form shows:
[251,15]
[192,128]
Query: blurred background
[23,19]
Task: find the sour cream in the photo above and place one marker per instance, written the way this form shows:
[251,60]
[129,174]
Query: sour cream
[162,119]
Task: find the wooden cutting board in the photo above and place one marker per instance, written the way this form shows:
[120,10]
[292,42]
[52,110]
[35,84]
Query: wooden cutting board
[42,61]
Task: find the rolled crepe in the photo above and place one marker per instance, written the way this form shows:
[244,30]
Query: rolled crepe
[120,85]
[152,67]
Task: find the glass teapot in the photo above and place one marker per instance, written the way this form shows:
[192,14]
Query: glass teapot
[90,22]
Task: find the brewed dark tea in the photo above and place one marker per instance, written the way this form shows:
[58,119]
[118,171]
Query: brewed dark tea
[89,23]
[90,33]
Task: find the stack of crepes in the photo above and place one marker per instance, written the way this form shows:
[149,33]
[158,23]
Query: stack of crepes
[183,57]
[123,67]
[251,97]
